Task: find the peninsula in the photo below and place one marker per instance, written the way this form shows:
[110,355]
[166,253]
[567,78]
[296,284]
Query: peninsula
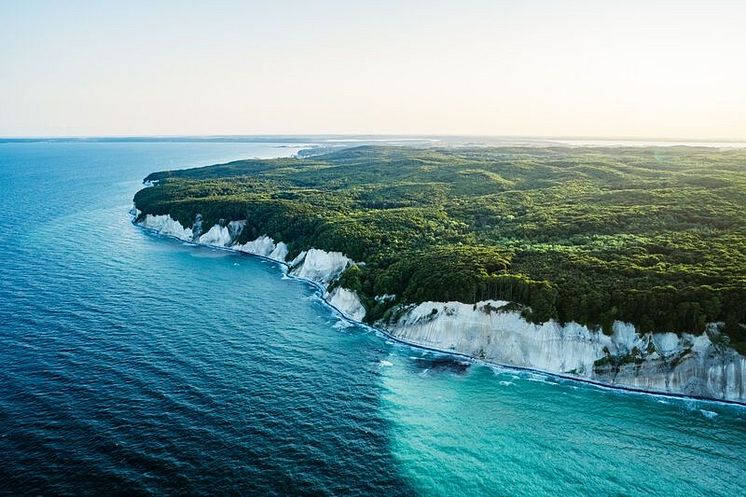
[621,266]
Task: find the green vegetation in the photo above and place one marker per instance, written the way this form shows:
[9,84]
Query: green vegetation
[652,236]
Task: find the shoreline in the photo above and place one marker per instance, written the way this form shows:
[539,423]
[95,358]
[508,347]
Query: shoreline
[321,291]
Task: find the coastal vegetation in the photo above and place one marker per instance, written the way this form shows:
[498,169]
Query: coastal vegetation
[653,236]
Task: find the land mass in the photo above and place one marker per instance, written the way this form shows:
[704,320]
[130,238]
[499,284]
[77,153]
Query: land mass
[590,243]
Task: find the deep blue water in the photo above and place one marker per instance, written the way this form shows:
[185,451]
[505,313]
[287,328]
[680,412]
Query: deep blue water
[134,364]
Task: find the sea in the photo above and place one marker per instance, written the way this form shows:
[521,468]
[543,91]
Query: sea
[135,364]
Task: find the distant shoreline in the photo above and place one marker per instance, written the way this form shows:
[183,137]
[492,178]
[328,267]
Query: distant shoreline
[426,140]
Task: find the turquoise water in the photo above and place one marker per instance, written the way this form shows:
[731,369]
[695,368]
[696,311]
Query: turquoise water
[134,364]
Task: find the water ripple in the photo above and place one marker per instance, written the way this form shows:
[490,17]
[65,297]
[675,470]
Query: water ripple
[136,365]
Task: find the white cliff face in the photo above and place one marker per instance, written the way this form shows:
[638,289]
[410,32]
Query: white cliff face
[501,337]
[217,236]
[280,252]
[321,266]
[347,302]
[222,236]
[488,330]
[298,260]
[263,246]
[266,247]
[727,376]
[659,362]
[167,226]
[666,343]
[315,265]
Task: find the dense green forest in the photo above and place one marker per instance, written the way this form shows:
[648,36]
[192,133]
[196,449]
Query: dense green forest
[652,236]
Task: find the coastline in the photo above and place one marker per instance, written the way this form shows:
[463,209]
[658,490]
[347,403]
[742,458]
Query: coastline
[325,295]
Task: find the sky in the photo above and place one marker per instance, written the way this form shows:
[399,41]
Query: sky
[545,68]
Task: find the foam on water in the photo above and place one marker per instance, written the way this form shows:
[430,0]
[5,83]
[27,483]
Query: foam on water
[343,324]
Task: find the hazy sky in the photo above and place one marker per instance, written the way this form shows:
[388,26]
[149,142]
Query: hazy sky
[543,68]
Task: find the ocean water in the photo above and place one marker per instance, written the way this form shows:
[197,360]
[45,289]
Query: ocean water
[132,364]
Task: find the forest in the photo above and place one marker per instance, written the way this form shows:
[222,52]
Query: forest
[655,236]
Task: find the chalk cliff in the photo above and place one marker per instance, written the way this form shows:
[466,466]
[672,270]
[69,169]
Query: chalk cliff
[496,332]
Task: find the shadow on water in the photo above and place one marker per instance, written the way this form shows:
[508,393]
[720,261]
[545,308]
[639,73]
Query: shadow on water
[440,364]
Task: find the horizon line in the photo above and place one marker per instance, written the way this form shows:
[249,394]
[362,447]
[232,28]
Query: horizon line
[10,138]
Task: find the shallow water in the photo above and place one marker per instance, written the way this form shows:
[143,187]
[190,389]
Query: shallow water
[136,364]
